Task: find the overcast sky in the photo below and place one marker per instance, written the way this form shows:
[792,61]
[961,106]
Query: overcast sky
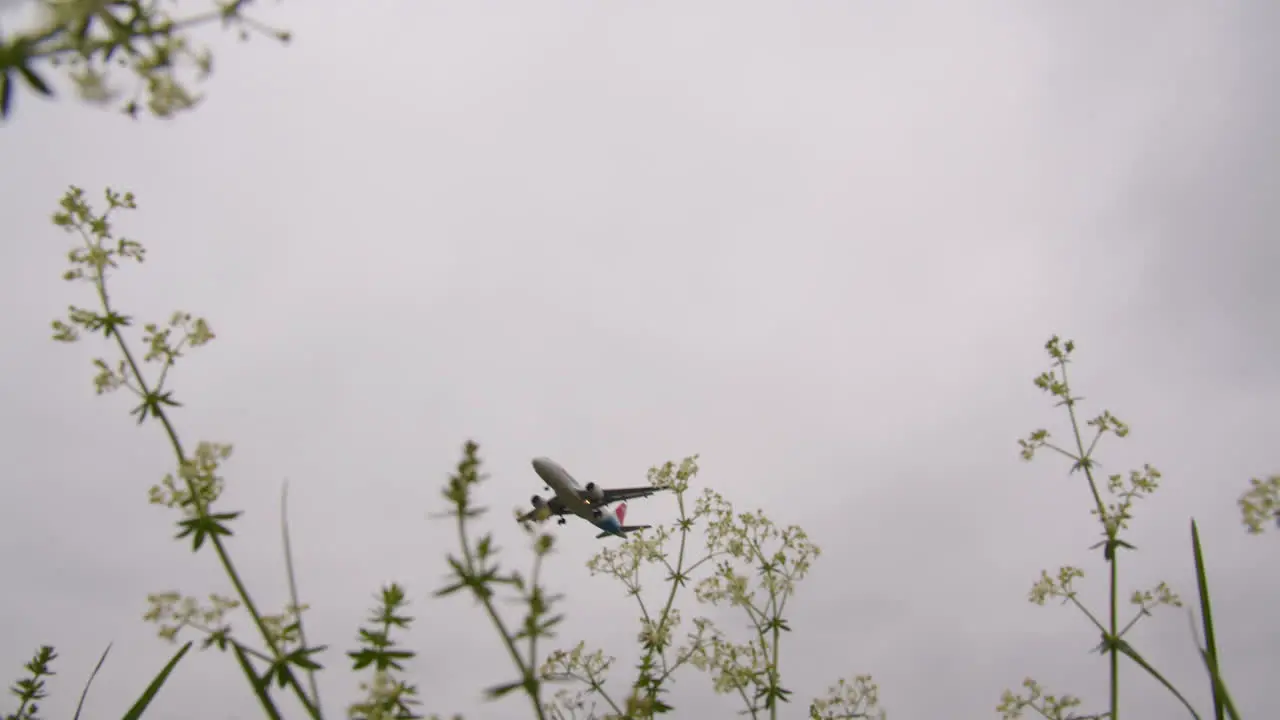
[820,243]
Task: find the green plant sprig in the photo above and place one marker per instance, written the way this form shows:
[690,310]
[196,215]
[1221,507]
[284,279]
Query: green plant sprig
[31,690]
[100,250]
[89,36]
[1260,503]
[779,558]
[478,571]
[1048,706]
[1114,518]
[387,697]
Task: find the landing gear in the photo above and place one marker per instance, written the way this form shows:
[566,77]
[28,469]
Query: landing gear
[561,521]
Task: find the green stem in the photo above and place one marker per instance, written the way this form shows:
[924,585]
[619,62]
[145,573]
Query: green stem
[168,363]
[89,47]
[1143,610]
[773,645]
[533,635]
[293,585]
[1083,458]
[751,707]
[677,575]
[774,676]
[215,540]
[709,557]
[598,688]
[486,600]
[1110,528]
[1076,601]
[1115,656]
[1060,451]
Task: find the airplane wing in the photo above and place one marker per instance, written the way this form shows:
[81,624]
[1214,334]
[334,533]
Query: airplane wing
[613,495]
[551,509]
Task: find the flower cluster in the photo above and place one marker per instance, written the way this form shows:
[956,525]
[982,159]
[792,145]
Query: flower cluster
[1138,483]
[1050,707]
[846,700]
[173,612]
[1260,503]
[1048,587]
[201,485]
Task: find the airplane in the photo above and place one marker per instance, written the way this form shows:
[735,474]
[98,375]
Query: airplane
[589,503]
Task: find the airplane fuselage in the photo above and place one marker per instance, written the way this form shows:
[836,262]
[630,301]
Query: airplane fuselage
[571,496]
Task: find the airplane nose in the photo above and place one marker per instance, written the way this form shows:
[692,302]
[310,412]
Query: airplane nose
[541,465]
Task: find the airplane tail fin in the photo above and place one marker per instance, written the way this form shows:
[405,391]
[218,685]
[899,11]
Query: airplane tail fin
[624,530]
[621,512]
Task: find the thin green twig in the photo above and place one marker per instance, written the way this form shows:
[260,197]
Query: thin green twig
[293,589]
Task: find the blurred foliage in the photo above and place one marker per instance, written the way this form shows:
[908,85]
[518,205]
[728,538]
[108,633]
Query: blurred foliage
[94,42]
[1260,503]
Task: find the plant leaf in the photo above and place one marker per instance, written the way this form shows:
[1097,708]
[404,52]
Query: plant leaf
[293,589]
[498,691]
[6,90]
[85,693]
[35,81]
[1210,651]
[149,694]
[205,526]
[1127,649]
[259,687]
[1227,704]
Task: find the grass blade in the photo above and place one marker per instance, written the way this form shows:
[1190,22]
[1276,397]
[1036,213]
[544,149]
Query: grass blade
[293,589]
[85,693]
[1210,651]
[259,687]
[149,694]
[1218,682]
[1133,655]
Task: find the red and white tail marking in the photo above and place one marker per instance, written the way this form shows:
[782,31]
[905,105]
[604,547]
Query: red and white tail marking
[622,512]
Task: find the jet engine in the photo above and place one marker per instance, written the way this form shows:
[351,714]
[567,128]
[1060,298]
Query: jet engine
[538,502]
[595,492]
